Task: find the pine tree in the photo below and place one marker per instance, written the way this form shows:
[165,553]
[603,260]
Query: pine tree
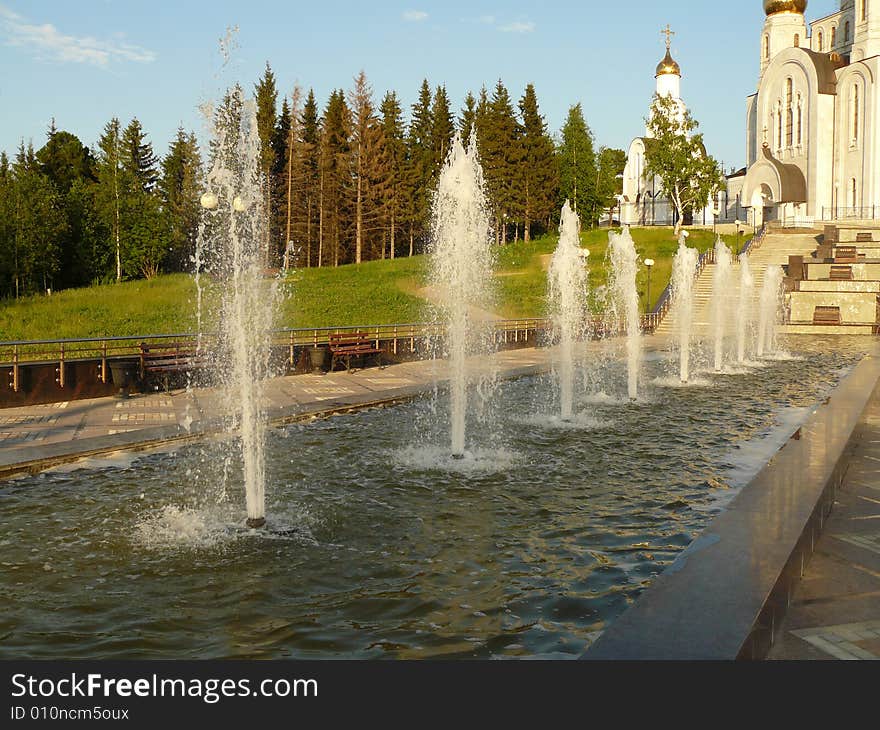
[363,121]
[180,189]
[467,118]
[500,154]
[420,165]
[308,159]
[442,128]
[266,95]
[282,181]
[577,166]
[539,175]
[395,141]
[334,169]
[144,239]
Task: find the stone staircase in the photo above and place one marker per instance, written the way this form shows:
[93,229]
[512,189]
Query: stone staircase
[774,250]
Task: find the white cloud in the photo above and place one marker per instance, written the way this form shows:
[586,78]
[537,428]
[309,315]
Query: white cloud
[415,16]
[47,42]
[519,26]
[486,19]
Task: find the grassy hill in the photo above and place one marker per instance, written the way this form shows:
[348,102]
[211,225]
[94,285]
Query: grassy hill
[377,292]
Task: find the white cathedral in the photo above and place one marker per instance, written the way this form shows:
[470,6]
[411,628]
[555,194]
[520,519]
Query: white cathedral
[811,144]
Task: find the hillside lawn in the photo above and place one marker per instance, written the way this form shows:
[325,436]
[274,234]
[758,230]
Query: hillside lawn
[376,292]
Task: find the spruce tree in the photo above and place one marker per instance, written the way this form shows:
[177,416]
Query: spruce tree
[420,164]
[308,159]
[577,166]
[266,95]
[282,181]
[539,175]
[109,189]
[467,118]
[395,141]
[442,128]
[500,154]
[334,177]
[180,190]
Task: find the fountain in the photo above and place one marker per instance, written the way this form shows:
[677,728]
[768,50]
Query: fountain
[721,290]
[461,268]
[746,306]
[684,269]
[625,293]
[231,245]
[768,315]
[568,293]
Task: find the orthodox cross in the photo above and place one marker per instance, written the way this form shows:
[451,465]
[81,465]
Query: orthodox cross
[668,32]
[765,135]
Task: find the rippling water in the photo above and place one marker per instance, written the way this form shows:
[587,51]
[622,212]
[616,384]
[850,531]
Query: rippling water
[545,533]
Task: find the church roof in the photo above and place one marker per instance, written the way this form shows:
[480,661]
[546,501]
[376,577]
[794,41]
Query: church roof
[668,66]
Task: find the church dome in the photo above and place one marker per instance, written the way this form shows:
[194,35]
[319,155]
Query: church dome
[668,66]
[771,7]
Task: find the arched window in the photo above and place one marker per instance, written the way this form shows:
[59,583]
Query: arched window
[797,40]
[855,113]
[864,10]
[854,192]
[846,32]
[821,42]
[766,47]
[833,37]
[789,113]
[800,121]
[779,127]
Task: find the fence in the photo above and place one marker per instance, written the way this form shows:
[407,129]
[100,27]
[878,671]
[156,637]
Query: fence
[863,213]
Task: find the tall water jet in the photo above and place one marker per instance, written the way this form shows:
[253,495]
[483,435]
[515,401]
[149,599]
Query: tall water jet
[232,245]
[721,297]
[746,306]
[568,302]
[684,270]
[624,290]
[769,310]
[461,266]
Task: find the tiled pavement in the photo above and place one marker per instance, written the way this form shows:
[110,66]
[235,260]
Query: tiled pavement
[835,611]
[81,426]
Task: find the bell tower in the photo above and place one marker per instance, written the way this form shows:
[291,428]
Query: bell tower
[785,27]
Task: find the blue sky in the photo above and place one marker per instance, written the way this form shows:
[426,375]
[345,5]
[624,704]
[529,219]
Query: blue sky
[85,61]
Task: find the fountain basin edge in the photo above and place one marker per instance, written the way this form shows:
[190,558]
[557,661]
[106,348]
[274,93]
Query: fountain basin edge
[724,596]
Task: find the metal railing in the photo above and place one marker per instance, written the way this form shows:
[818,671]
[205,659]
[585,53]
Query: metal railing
[864,213]
[398,338]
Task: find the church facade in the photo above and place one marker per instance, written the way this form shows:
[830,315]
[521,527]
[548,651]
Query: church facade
[643,201]
[812,147]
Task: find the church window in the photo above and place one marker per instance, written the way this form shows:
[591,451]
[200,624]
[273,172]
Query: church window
[864,9]
[779,128]
[846,32]
[821,42]
[854,191]
[767,47]
[855,114]
[833,37]
[800,122]
[789,113]
[797,40]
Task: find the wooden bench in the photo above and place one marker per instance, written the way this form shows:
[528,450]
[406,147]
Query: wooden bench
[345,347]
[841,273]
[846,255]
[826,315]
[163,361]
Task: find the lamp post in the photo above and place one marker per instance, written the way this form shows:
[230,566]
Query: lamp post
[649,263]
[715,212]
[738,223]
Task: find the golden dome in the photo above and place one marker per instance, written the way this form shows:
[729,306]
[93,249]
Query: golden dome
[771,7]
[668,66]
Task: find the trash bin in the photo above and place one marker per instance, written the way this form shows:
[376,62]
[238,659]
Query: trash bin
[124,374]
[317,357]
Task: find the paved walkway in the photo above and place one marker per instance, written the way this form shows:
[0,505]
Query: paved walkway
[35,437]
[835,610]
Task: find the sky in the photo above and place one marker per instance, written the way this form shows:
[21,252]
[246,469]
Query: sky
[82,62]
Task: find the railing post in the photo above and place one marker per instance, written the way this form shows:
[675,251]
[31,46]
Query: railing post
[395,340]
[292,350]
[104,362]
[60,379]
[16,382]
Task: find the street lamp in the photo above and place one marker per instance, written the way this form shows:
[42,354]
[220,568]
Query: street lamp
[739,224]
[649,263]
[715,212]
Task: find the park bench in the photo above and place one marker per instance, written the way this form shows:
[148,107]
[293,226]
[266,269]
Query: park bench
[164,361]
[841,273]
[826,315]
[846,255]
[345,347]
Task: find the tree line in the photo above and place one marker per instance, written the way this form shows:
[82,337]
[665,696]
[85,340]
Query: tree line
[344,183]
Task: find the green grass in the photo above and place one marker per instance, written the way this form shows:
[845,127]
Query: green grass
[377,292]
